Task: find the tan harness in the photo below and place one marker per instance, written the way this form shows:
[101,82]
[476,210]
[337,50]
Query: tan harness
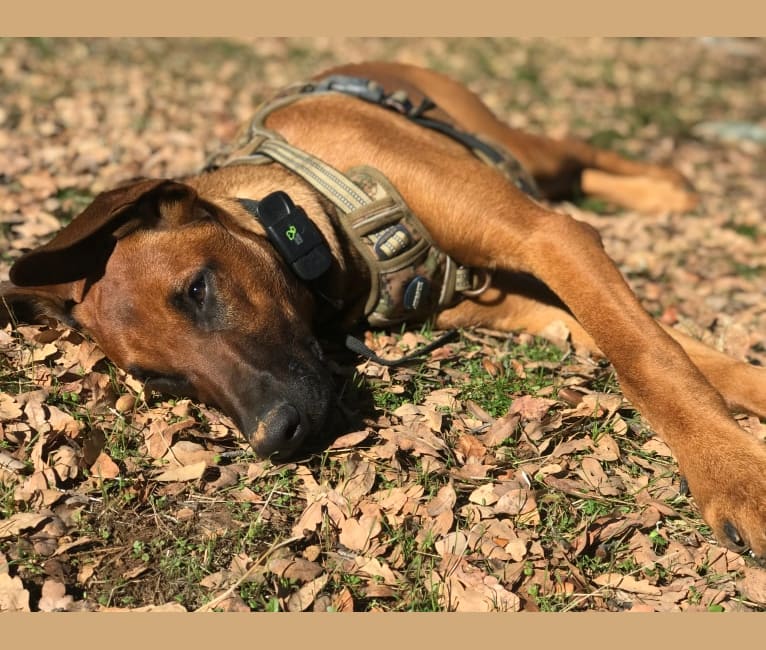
[410,278]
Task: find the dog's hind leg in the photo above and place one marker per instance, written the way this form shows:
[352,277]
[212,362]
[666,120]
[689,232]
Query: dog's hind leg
[562,167]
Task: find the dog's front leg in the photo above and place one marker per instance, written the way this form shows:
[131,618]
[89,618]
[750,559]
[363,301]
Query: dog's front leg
[484,222]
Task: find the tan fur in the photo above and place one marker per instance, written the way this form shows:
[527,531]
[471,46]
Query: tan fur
[263,333]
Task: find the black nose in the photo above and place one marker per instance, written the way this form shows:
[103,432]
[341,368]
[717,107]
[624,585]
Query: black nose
[279,432]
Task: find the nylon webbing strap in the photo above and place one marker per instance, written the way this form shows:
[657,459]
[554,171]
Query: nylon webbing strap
[327,180]
[358,347]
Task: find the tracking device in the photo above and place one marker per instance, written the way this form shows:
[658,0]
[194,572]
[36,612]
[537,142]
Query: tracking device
[292,233]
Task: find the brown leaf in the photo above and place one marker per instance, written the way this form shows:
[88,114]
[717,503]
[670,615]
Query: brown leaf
[295,568]
[167,608]
[305,596]
[343,601]
[500,430]
[13,596]
[182,474]
[19,522]
[531,408]
[753,584]
[627,583]
[518,501]
[360,481]
[185,452]
[592,472]
[658,447]
[606,449]
[309,520]
[453,544]
[9,463]
[105,467]
[374,568]
[65,461]
[445,499]
[468,589]
[350,440]
[417,440]
[484,495]
[356,534]
[9,408]
[469,446]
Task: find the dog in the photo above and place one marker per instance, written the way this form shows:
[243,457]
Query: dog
[214,286]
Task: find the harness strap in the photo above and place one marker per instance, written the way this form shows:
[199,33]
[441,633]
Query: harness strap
[339,189]
[491,153]
[358,347]
[346,195]
[410,277]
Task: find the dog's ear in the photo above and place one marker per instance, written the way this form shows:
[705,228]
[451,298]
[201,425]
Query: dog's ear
[28,304]
[82,248]
[50,279]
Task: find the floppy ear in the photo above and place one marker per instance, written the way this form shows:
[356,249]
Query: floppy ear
[82,248]
[54,275]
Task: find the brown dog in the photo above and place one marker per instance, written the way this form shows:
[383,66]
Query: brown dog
[179,284]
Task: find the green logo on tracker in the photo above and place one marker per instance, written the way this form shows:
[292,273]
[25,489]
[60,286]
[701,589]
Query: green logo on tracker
[291,233]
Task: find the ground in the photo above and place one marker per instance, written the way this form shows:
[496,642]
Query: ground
[503,472]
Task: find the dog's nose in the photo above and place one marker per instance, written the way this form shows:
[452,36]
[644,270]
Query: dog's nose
[279,432]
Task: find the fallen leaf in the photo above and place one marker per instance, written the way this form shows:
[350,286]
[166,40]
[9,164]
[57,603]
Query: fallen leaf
[592,472]
[606,449]
[182,474]
[300,600]
[484,495]
[9,408]
[105,467]
[753,584]
[350,440]
[444,500]
[468,589]
[500,430]
[186,452]
[469,446]
[374,568]
[627,583]
[658,447]
[360,481]
[355,534]
[54,598]
[343,601]
[9,463]
[296,569]
[456,543]
[12,526]
[531,408]
[13,596]
[166,608]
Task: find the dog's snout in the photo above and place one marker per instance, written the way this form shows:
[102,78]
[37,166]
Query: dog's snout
[279,432]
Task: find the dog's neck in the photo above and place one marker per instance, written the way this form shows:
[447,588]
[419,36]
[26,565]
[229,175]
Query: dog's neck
[339,294]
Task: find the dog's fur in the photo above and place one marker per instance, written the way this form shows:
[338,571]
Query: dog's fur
[243,337]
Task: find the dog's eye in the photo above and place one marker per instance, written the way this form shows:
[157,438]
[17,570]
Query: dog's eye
[197,291]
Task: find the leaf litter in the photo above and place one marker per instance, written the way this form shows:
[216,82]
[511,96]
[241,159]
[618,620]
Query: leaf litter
[502,473]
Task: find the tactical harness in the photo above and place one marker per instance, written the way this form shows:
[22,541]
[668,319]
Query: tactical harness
[410,278]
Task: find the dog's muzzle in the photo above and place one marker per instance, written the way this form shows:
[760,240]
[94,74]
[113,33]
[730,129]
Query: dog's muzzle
[279,432]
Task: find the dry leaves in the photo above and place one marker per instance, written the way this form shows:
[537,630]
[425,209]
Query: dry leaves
[437,499]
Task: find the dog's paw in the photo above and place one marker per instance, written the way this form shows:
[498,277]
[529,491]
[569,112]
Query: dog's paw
[730,491]
[651,193]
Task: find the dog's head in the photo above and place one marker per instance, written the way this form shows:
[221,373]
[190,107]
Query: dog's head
[154,274]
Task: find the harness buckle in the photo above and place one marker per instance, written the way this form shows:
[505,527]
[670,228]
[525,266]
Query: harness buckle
[356,86]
